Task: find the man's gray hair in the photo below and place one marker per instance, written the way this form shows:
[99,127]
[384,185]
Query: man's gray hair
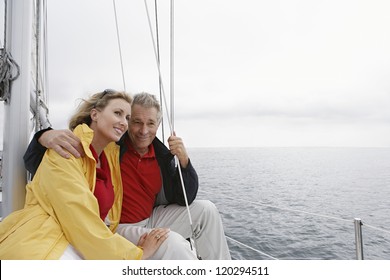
[148,100]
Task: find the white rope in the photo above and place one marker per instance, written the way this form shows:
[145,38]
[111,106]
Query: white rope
[294,210]
[45,81]
[158,66]
[170,119]
[119,46]
[37,62]
[172,75]
[38,98]
[376,228]
[249,247]
[304,212]
[158,57]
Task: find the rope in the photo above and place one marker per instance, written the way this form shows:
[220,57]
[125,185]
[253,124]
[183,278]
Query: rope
[37,58]
[158,64]
[7,66]
[172,81]
[299,211]
[5,23]
[45,57]
[170,121]
[38,101]
[253,249]
[294,210]
[119,46]
[376,228]
[158,57]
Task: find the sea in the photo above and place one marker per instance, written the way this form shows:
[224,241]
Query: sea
[299,203]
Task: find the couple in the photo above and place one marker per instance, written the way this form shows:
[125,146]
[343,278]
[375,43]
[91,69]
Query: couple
[74,207]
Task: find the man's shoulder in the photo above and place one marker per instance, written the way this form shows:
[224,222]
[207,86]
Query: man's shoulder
[158,144]
[159,148]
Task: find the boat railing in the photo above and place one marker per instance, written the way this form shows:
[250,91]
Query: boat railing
[357,222]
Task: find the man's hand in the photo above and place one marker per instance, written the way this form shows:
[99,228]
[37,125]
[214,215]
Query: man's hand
[177,148]
[63,141]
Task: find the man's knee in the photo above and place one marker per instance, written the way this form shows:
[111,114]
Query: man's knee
[205,206]
[176,247]
[176,241]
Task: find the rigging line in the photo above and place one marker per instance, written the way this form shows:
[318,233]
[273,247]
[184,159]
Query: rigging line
[45,57]
[159,78]
[294,210]
[119,46]
[158,65]
[172,84]
[376,228]
[9,69]
[5,25]
[43,66]
[172,90]
[249,247]
[291,210]
[313,214]
[171,128]
[37,57]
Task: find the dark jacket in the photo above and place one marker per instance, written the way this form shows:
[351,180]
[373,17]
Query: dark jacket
[172,191]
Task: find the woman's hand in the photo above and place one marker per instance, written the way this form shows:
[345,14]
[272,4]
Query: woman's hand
[151,241]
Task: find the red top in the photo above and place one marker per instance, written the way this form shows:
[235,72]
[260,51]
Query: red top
[104,192]
[141,179]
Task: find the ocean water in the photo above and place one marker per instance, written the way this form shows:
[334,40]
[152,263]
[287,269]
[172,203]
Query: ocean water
[299,203]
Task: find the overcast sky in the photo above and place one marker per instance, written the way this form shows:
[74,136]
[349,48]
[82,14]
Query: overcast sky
[247,73]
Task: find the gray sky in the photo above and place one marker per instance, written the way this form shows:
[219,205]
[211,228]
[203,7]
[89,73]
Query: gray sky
[247,73]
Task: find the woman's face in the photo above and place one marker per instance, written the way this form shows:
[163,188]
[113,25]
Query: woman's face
[110,123]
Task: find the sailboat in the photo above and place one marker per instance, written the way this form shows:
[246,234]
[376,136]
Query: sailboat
[27,97]
[17,107]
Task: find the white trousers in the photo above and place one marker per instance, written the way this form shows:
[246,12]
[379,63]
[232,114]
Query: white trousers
[71,254]
[207,224]
[209,234]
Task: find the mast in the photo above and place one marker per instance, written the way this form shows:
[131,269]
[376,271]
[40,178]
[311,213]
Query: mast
[17,108]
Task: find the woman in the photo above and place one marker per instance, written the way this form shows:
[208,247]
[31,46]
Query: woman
[73,205]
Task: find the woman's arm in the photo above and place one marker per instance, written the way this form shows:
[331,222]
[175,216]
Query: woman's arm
[76,209]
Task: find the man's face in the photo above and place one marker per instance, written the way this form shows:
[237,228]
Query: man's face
[143,127]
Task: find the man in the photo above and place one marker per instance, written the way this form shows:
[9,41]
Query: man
[153,195]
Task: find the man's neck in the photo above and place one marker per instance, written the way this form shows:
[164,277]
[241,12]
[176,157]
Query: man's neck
[140,151]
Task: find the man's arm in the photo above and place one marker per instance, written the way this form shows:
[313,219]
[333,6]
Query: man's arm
[172,191]
[177,148]
[64,142]
[34,154]
[191,183]
[190,177]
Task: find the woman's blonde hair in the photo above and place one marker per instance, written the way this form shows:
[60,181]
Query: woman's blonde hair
[98,101]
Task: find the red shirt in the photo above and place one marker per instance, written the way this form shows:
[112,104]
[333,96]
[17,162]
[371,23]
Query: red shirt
[141,179]
[104,192]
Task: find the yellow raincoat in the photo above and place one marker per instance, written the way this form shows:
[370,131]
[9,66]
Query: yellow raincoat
[61,208]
